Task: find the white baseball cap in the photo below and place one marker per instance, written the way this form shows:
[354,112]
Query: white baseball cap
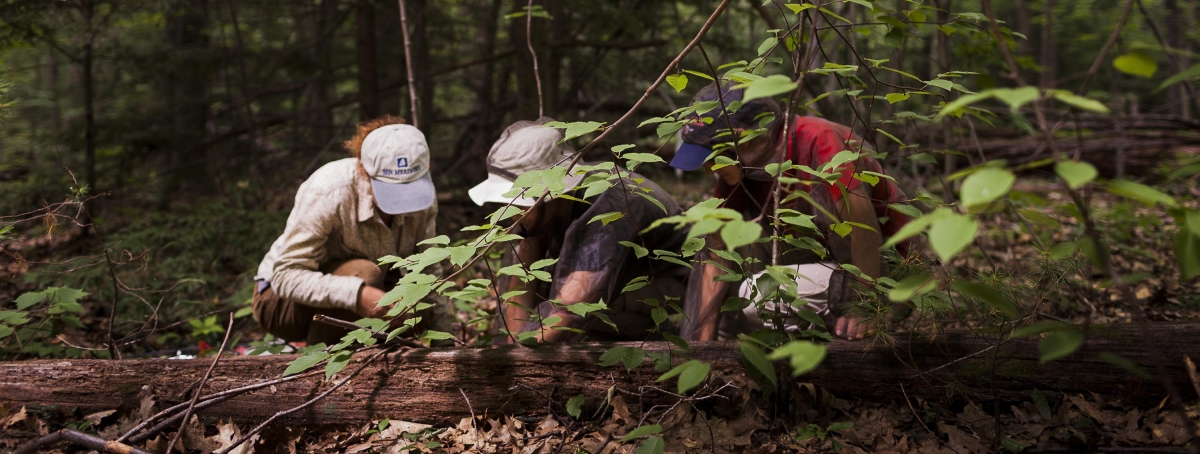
[396,158]
[523,147]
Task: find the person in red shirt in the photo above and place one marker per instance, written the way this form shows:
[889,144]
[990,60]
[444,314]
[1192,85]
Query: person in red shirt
[860,194]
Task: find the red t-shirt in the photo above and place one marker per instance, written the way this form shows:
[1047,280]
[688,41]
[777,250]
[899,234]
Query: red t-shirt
[814,142]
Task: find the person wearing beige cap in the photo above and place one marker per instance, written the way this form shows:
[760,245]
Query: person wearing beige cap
[592,266]
[347,215]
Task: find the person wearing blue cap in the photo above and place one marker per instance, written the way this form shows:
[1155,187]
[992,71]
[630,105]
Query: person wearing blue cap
[349,214]
[764,138]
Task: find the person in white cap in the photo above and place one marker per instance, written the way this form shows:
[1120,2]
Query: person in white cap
[347,215]
[592,266]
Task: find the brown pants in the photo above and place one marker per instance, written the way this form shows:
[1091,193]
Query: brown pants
[293,321]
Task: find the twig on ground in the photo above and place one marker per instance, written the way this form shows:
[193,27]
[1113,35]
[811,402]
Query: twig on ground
[474,427]
[205,401]
[915,413]
[314,400]
[200,388]
[79,438]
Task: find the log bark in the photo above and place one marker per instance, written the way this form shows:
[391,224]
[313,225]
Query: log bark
[424,385]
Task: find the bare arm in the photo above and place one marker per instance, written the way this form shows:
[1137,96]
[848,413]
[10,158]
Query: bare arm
[864,250]
[707,313]
[515,316]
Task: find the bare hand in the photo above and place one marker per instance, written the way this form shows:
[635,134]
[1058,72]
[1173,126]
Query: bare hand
[849,328]
[368,296]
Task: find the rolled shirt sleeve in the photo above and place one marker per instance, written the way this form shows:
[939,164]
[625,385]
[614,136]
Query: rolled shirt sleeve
[296,276]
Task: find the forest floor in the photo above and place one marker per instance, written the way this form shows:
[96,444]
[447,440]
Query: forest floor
[800,418]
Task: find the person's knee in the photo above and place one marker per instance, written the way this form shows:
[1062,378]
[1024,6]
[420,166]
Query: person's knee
[364,269]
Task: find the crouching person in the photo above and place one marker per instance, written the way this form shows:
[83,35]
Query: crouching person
[592,266]
[347,215]
[748,189]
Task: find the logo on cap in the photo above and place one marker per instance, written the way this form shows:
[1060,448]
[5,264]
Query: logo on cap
[401,162]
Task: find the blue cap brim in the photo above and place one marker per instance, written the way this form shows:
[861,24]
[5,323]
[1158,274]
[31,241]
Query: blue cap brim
[690,156]
[400,198]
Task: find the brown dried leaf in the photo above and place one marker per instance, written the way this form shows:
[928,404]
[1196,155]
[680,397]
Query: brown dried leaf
[958,440]
[14,418]
[227,433]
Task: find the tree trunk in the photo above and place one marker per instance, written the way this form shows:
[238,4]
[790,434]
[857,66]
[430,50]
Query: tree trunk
[1049,57]
[424,385]
[368,79]
[419,14]
[89,107]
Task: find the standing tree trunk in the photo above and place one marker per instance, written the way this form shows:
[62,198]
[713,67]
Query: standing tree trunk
[89,105]
[368,79]
[1049,56]
[1175,39]
[419,17]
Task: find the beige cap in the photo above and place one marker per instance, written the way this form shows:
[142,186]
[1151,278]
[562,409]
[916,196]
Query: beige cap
[396,158]
[523,147]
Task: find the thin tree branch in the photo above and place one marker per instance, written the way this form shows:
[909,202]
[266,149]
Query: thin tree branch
[200,388]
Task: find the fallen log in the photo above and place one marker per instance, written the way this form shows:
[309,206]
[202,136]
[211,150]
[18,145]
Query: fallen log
[429,385]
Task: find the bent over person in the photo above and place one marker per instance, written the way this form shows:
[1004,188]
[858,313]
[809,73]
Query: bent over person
[592,266]
[748,188]
[348,214]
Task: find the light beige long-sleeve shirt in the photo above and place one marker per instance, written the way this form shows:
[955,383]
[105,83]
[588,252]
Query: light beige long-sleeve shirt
[334,219]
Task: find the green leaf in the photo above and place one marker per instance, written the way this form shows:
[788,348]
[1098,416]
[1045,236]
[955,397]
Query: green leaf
[1137,64]
[738,233]
[986,185]
[336,363]
[440,240]
[767,87]
[27,300]
[1063,250]
[431,335]
[987,295]
[652,445]
[949,234]
[306,361]
[580,128]
[1080,102]
[643,157]
[1190,73]
[690,374]
[677,81]
[758,359]
[1075,173]
[958,104]
[767,45]
[575,406]
[641,432]
[607,218]
[803,355]
[940,83]
[797,8]
[1119,361]
[893,98]
[1141,193]
[1187,253]
[1015,97]
[911,287]
[1059,344]
[1038,328]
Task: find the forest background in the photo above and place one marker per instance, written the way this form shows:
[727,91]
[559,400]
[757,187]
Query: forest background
[150,150]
